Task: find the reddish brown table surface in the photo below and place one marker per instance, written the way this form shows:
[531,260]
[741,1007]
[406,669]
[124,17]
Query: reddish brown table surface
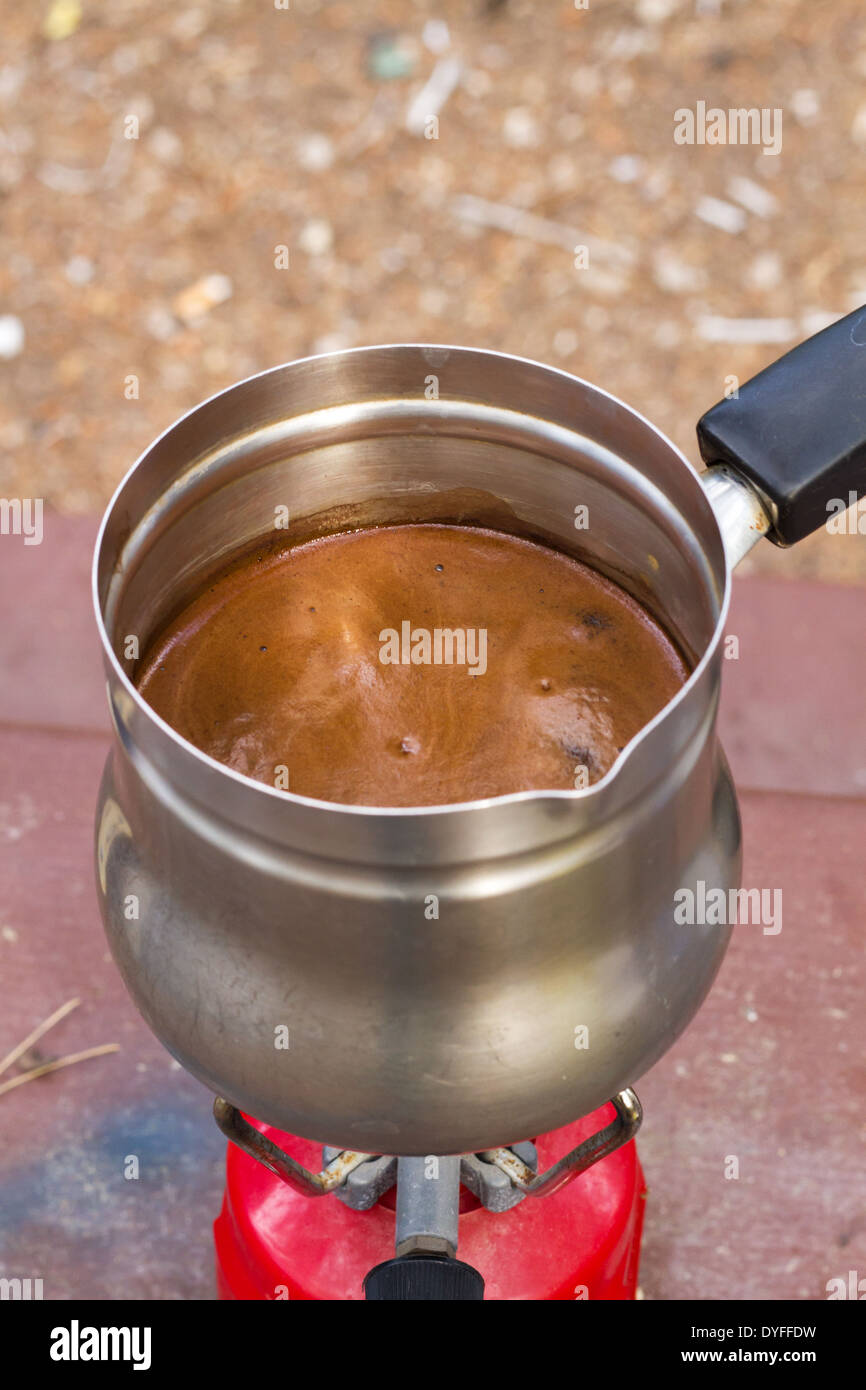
[770,1072]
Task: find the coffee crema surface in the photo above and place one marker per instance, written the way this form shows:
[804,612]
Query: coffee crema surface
[412,665]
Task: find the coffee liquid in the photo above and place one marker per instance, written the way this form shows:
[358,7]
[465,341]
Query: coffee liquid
[412,665]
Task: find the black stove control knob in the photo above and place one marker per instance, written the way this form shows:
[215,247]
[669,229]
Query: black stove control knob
[425,1277]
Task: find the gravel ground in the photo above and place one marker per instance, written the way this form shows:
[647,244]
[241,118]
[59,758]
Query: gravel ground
[258,127]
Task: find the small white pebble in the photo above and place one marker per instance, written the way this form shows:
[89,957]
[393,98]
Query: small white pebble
[675,275]
[160,323]
[562,171]
[11,336]
[753,196]
[315,152]
[656,11]
[751,1016]
[626,168]
[79,270]
[9,934]
[656,184]
[331,342]
[165,145]
[564,342]
[728,1058]
[805,105]
[316,237]
[858,126]
[189,24]
[520,128]
[11,82]
[436,36]
[198,299]
[765,271]
[717,213]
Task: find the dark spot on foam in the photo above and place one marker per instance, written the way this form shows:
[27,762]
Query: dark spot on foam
[582,756]
[596,622]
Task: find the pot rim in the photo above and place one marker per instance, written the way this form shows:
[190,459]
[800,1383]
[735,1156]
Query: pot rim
[531,796]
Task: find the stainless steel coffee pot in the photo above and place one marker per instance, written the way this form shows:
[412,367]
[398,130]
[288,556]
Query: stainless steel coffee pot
[453,978]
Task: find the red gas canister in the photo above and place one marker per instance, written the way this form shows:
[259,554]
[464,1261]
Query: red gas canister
[581,1242]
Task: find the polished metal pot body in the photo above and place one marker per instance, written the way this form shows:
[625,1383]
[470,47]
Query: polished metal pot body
[443,979]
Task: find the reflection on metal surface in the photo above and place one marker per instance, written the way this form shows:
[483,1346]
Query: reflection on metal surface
[112,826]
[740,512]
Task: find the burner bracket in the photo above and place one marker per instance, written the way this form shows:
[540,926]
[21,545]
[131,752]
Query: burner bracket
[239,1130]
[626,1125]
[499,1178]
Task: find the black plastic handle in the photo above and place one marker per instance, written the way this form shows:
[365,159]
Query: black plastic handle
[797,430]
[424,1277]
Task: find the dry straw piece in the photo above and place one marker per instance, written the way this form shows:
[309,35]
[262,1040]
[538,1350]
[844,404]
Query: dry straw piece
[44,1068]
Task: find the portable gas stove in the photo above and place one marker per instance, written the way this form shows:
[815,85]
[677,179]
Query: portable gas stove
[581,1243]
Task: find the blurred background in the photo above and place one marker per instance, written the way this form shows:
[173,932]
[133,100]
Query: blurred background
[192,193]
